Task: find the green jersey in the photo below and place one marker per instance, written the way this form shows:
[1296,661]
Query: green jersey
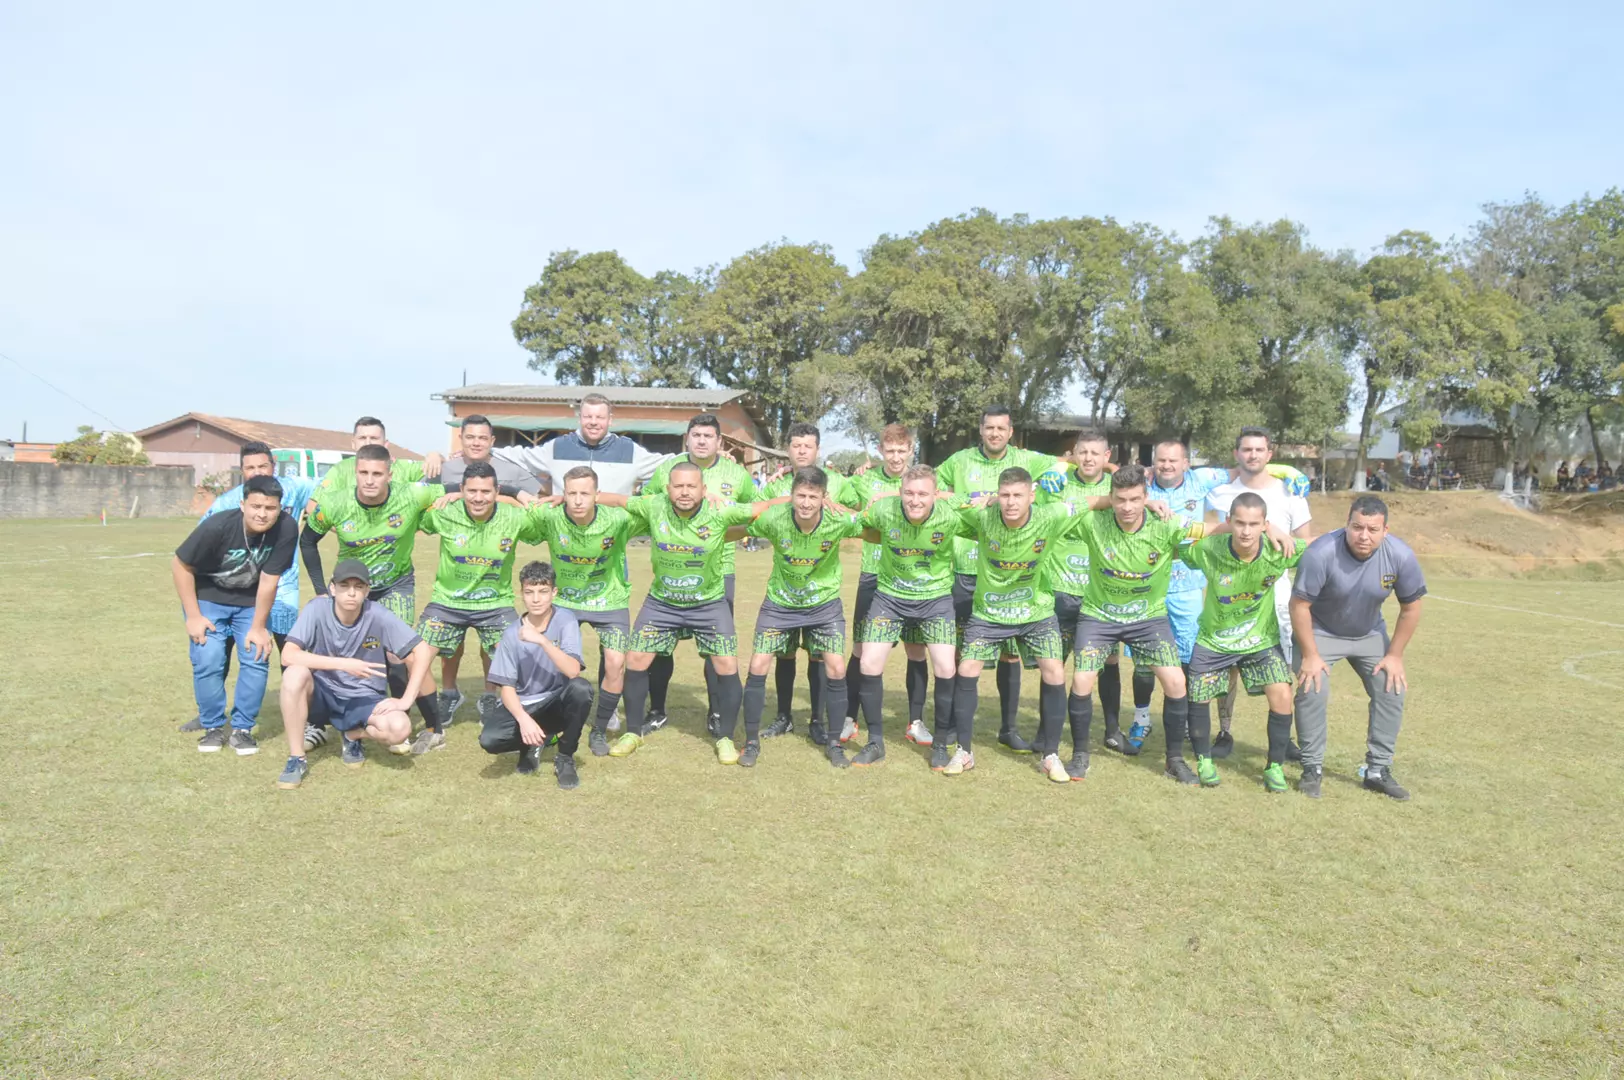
[342,475]
[1238,615]
[725,477]
[1010,587]
[381,536]
[868,486]
[590,559]
[971,473]
[1065,564]
[687,553]
[1127,573]
[806,565]
[916,561]
[476,557]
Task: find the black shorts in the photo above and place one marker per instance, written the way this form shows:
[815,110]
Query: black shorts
[344,713]
[1209,671]
[661,625]
[1152,642]
[727,594]
[1067,610]
[780,631]
[614,627]
[1037,640]
[964,598]
[868,585]
[918,622]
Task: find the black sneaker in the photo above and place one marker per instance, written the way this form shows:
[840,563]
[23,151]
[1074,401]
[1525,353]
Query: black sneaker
[214,741]
[751,751]
[564,770]
[872,754]
[1178,770]
[939,755]
[194,724]
[837,755]
[713,725]
[817,733]
[1013,740]
[1119,741]
[1077,767]
[1293,751]
[1382,779]
[782,726]
[243,743]
[529,760]
[598,743]
[1309,782]
[1222,746]
[654,721]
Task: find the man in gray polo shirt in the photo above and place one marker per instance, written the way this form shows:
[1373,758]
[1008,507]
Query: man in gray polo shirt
[1336,614]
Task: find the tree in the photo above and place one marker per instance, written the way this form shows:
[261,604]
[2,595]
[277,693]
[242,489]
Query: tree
[663,350]
[91,447]
[583,318]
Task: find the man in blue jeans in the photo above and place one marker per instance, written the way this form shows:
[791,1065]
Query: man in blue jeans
[226,574]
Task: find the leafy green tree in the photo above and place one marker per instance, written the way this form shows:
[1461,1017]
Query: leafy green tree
[664,351]
[92,447]
[583,318]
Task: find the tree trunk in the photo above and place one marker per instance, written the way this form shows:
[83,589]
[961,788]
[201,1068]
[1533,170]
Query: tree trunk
[1595,440]
[1367,420]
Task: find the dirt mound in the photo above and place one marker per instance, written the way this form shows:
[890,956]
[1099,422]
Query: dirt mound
[1604,508]
[1477,534]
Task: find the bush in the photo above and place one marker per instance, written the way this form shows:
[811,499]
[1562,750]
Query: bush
[92,447]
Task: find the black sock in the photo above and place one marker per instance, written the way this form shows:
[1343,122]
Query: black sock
[1080,709]
[1279,736]
[1200,725]
[607,700]
[396,677]
[854,675]
[729,694]
[1175,721]
[784,682]
[815,685]
[1051,716]
[1009,696]
[712,688]
[942,732]
[834,692]
[429,706]
[755,700]
[659,681]
[1110,687]
[917,680]
[1144,683]
[871,696]
[637,694]
[964,709]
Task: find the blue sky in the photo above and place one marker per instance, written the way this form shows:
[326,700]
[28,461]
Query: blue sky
[300,213]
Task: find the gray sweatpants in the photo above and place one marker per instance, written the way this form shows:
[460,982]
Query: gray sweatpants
[1386,707]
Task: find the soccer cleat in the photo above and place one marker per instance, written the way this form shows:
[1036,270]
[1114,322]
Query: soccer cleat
[1293,751]
[1309,782]
[939,755]
[1206,772]
[242,742]
[872,754]
[450,701]
[918,734]
[961,762]
[1178,770]
[626,745]
[355,754]
[213,741]
[316,736]
[427,740]
[1223,745]
[1137,734]
[1013,740]
[781,726]
[849,730]
[837,755]
[654,721]
[1116,740]
[1049,765]
[1077,767]
[598,743]
[293,773]
[726,752]
[816,731]
[529,760]
[1382,780]
[564,771]
[1274,779]
[751,751]
[194,724]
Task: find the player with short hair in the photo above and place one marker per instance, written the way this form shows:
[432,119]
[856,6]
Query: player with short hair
[537,666]
[620,462]
[477,437]
[1239,631]
[337,655]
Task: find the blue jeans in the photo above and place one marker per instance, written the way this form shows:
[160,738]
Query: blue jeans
[209,668]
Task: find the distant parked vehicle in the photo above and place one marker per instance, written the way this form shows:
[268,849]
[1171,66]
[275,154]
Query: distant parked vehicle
[307,463]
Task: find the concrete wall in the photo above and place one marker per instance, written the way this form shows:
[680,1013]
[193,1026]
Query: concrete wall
[32,490]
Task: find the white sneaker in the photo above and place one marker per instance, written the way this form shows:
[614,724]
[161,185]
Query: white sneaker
[849,730]
[617,721]
[962,761]
[1050,766]
[918,734]
[402,748]
[316,736]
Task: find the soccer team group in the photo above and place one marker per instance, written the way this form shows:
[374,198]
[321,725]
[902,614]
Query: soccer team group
[999,555]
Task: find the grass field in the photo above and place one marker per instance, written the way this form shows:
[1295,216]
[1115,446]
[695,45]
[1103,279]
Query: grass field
[167,913]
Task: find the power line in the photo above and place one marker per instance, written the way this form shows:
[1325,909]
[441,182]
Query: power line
[111,422]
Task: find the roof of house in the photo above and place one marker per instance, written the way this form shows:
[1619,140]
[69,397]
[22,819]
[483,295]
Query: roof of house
[278,436]
[569,395]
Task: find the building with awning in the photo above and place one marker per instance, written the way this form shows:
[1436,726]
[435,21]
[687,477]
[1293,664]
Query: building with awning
[528,414]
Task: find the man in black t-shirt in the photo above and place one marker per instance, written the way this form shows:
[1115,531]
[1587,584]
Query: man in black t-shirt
[226,575]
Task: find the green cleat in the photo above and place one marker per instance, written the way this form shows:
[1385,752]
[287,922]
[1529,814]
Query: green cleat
[1206,771]
[626,745]
[1274,779]
[726,752]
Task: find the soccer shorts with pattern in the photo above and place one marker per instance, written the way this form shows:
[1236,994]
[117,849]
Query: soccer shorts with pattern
[1209,671]
[986,641]
[446,627]
[1150,639]
[781,630]
[661,625]
[917,622]
[399,597]
[614,627]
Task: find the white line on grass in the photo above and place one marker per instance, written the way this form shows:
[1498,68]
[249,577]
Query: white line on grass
[1525,611]
[36,562]
[1570,666]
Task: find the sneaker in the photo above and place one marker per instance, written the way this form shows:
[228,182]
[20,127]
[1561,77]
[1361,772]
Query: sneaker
[939,755]
[713,725]
[1274,778]
[450,702]
[529,760]
[598,743]
[486,705]
[872,754]
[355,755]
[194,724]
[1050,766]
[726,752]
[962,761]
[617,721]
[242,742]
[1178,770]
[1309,782]
[1077,767]
[751,751]
[293,773]
[402,748]
[1137,734]
[316,736]
[1119,742]
[428,739]
[1206,772]
[564,771]
[654,721]
[213,741]
[816,731]
[1293,751]
[849,730]
[918,734]
[837,755]
[1223,745]
[781,726]
[626,745]
[1382,780]
[1013,740]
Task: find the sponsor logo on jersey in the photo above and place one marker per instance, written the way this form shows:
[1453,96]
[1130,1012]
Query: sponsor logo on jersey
[992,545]
[681,549]
[461,539]
[936,538]
[910,553]
[1077,562]
[608,542]
[1014,596]
[476,560]
[579,560]
[371,643]
[505,544]
[1270,580]
[1225,580]
[394,521]
[702,531]
[1389,580]
[807,561]
[348,526]
[1012,564]
[894,534]
[826,545]
[1153,557]
[691,581]
[1241,597]
[1121,575]
[1038,545]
